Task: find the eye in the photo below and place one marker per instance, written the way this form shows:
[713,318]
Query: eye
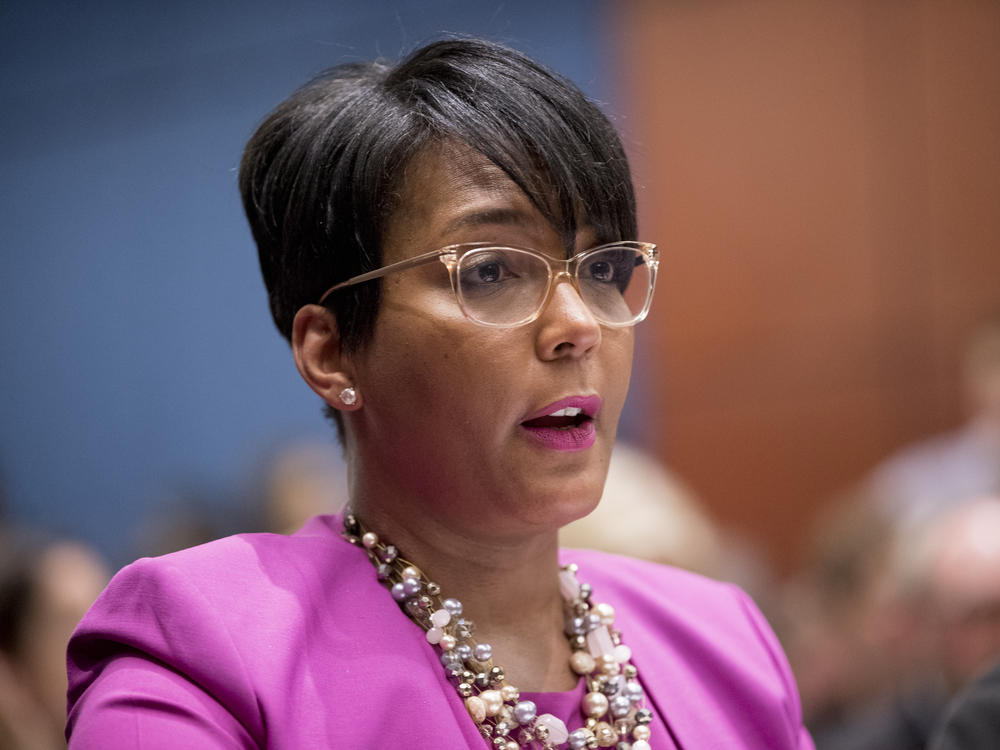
[488,271]
[601,270]
[611,268]
[485,269]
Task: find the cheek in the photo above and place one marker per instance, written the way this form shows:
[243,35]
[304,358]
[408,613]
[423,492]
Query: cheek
[619,362]
[627,350]
[435,368]
[483,373]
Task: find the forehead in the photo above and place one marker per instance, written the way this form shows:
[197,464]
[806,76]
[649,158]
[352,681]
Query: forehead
[453,167]
[450,193]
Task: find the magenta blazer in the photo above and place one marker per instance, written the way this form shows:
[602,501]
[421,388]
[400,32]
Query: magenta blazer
[267,641]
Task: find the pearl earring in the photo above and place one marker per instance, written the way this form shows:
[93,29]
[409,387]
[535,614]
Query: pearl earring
[349,396]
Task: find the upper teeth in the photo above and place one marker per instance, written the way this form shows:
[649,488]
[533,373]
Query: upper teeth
[569,411]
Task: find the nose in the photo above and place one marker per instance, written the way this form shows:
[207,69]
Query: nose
[566,327]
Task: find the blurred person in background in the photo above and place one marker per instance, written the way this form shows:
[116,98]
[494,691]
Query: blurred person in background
[964,585]
[973,718]
[301,479]
[855,628]
[918,621]
[964,580]
[185,515]
[647,512]
[930,476]
[825,620]
[46,586]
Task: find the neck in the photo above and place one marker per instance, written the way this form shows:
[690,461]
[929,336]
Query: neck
[508,587]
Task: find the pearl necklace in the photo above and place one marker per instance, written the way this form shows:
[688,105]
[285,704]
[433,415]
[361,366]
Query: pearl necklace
[612,705]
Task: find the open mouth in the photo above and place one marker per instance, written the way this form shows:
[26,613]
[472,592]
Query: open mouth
[564,425]
[567,418]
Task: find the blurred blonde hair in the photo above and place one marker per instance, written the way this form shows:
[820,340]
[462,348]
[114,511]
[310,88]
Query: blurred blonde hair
[647,512]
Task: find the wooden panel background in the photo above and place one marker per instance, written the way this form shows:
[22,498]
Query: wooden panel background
[824,180]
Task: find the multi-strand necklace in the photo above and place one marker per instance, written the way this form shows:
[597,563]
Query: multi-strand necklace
[612,706]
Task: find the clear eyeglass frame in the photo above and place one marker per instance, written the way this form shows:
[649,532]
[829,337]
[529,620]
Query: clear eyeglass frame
[558,268]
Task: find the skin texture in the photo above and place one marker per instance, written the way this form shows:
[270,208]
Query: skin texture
[438,460]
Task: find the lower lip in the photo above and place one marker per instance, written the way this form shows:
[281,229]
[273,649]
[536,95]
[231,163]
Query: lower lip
[562,439]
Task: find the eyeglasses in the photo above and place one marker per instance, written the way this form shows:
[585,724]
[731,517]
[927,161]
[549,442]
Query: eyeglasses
[508,286]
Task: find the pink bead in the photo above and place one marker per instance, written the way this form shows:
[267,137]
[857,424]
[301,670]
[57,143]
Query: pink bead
[599,642]
[568,585]
[558,733]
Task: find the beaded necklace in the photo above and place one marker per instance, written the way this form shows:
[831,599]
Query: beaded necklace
[615,716]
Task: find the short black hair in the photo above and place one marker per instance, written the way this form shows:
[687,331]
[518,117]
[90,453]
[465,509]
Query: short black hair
[320,175]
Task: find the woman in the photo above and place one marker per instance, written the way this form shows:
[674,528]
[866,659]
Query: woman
[448,245]
[46,586]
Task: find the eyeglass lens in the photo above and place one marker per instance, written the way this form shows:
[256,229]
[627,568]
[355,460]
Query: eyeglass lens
[504,286]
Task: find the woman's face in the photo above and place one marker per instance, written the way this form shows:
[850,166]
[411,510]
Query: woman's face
[454,413]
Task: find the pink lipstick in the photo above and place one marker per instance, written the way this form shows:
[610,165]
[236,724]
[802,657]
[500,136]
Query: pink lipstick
[566,424]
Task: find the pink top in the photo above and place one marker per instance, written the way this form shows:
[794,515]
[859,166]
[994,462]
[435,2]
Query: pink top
[267,641]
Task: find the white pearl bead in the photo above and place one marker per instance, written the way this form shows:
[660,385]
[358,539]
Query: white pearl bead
[606,612]
[606,734]
[595,705]
[447,642]
[581,662]
[607,664]
[440,618]
[509,693]
[369,539]
[492,701]
[476,708]
[641,733]
[641,745]
[622,653]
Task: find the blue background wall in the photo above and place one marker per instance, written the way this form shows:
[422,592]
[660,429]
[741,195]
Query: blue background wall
[137,351]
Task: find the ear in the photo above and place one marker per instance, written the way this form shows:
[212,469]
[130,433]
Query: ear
[318,356]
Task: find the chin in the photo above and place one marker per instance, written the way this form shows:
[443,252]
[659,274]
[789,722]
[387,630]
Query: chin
[568,505]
